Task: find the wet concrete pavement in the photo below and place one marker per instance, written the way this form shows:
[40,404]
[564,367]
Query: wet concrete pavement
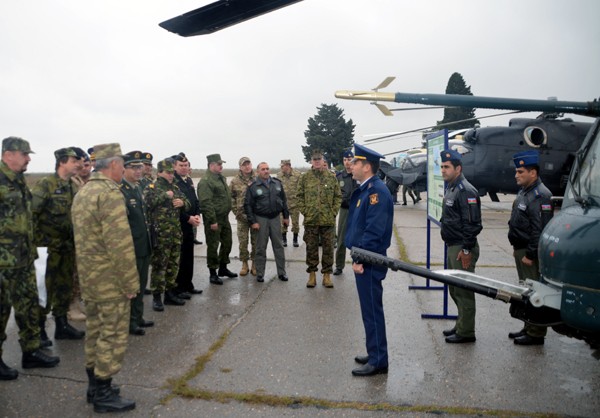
[279,349]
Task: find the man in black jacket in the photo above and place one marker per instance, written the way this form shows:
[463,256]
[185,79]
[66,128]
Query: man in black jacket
[265,201]
[347,185]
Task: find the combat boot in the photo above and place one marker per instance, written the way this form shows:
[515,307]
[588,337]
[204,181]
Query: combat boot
[284,239]
[7,373]
[92,385]
[214,278]
[106,400]
[312,279]
[157,304]
[171,299]
[225,272]
[296,240]
[253,269]
[64,330]
[327,280]
[244,271]
[38,358]
[44,340]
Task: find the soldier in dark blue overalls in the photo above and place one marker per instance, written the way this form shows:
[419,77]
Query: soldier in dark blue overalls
[370,221]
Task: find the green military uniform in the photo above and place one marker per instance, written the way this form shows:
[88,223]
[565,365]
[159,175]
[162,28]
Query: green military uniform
[318,199]
[215,203]
[136,216]
[18,288]
[238,192]
[147,179]
[105,247]
[163,218]
[290,187]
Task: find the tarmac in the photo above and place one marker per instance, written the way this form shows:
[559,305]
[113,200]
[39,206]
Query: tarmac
[278,349]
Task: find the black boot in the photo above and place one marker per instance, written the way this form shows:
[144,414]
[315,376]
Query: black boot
[296,240]
[38,358]
[225,272]
[64,330]
[91,390]
[171,299]
[7,373]
[214,277]
[44,340]
[284,239]
[106,400]
[157,304]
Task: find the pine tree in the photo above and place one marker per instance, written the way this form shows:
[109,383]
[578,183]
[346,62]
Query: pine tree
[329,132]
[457,85]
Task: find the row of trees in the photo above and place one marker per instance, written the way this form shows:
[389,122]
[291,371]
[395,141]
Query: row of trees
[329,131]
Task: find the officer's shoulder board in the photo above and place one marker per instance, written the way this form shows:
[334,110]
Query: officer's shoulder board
[460,186]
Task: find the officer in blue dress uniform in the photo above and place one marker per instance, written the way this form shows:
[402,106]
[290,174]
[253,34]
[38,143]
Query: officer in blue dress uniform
[370,220]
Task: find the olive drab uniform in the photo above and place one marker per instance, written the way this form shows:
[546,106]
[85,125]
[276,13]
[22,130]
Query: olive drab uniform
[105,247]
[531,211]
[215,201]
[238,186]
[461,223]
[18,288]
[53,228]
[163,218]
[319,198]
[290,187]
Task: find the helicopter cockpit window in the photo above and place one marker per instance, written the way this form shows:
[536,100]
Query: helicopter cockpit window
[586,183]
[461,149]
[535,137]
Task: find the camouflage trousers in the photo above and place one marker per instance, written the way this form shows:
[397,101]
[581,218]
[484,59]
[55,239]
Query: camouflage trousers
[18,289]
[165,265]
[218,244]
[245,234]
[312,236]
[106,337]
[60,269]
[294,221]
[137,303]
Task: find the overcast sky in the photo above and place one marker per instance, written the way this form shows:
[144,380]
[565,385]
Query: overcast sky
[81,73]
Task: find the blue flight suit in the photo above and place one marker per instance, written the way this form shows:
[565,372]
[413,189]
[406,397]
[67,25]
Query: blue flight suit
[370,220]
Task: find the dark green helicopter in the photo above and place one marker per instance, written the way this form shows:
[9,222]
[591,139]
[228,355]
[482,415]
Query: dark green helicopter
[568,297]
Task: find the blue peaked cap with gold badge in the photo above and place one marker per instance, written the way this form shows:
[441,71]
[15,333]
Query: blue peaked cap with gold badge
[363,153]
[526,158]
[450,155]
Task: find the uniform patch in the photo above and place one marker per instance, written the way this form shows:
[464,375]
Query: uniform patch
[546,208]
[358,203]
[374,199]
[522,206]
[259,192]
[472,200]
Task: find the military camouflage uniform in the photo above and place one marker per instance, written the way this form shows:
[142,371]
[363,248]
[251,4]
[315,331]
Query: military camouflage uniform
[319,198]
[163,218]
[18,286]
[105,247]
[290,187]
[146,181]
[51,207]
[238,192]
[215,201]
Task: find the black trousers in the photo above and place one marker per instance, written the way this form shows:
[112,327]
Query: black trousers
[186,264]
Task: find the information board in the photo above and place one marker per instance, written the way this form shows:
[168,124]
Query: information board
[436,143]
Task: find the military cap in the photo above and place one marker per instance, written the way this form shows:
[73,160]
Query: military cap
[14,143]
[147,157]
[526,158]
[450,155]
[92,154]
[214,158]
[244,160]
[316,154]
[165,165]
[81,154]
[286,162]
[133,157]
[110,150]
[363,153]
[348,154]
[65,152]
[180,157]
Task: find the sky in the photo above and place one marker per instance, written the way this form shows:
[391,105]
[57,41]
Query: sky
[77,73]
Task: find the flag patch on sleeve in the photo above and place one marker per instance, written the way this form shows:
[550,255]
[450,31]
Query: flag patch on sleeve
[546,208]
[472,200]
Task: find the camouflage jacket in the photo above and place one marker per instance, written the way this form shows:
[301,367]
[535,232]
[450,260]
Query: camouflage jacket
[145,182]
[319,197]
[214,196]
[238,186]
[103,242]
[290,186]
[51,208]
[163,217]
[16,225]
